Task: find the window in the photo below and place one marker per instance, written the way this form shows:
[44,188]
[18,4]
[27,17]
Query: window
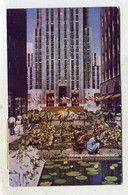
[37,14]
[71,13]
[72,56]
[40,59]
[77,85]
[40,40]
[37,23]
[52,27]
[59,70]
[47,85]
[77,55]
[40,32]
[35,31]
[77,10]
[72,26]
[93,71]
[77,17]
[77,63]
[72,85]
[77,35]
[77,26]
[77,42]
[47,27]
[77,73]
[93,82]
[52,15]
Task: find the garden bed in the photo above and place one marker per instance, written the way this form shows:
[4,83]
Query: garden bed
[43,132]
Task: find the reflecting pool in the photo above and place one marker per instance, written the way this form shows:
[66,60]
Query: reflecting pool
[81,173]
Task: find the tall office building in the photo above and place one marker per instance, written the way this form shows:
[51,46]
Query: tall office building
[17,70]
[87,58]
[29,65]
[96,72]
[58,54]
[95,78]
[110,58]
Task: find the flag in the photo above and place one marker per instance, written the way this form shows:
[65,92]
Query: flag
[67,98]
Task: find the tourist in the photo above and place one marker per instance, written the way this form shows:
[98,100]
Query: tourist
[93,145]
[11,122]
[18,127]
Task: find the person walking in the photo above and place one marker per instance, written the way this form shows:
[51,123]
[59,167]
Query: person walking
[18,126]
[11,122]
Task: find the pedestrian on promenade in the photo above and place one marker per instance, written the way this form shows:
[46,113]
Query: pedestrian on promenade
[18,126]
[93,145]
[11,122]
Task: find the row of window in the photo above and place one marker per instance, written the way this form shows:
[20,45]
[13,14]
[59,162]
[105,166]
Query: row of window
[77,85]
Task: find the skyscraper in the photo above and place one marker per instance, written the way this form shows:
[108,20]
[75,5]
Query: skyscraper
[110,58]
[58,54]
[88,58]
[29,65]
[96,72]
[17,70]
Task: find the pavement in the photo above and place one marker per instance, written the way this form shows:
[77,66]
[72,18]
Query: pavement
[12,138]
[70,154]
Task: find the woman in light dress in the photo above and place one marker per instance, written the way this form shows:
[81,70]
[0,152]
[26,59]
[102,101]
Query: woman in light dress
[18,128]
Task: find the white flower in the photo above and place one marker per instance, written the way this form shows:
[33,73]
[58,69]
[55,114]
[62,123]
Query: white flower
[30,148]
[26,161]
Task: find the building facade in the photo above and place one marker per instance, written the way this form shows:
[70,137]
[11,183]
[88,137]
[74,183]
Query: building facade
[96,72]
[29,65]
[17,69]
[110,58]
[59,62]
[93,92]
[87,57]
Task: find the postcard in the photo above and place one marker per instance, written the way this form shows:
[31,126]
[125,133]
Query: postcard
[64,109]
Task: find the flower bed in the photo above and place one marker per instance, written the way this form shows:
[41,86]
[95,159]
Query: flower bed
[41,133]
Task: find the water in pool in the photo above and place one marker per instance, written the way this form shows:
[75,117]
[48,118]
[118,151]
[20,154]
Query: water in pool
[81,173]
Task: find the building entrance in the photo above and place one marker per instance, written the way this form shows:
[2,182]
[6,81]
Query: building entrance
[50,100]
[62,96]
[75,99]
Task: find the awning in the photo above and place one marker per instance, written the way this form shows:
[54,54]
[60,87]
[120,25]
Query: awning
[108,96]
[116,95]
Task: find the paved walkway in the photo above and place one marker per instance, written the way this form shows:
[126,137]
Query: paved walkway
[70,154]
[12,138]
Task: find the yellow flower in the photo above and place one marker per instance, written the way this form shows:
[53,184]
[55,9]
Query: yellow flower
[65,162]
[71,166]
[112,167]
[96,166]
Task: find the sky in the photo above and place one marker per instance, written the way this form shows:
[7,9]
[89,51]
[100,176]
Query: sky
[94,23]
[30,24]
